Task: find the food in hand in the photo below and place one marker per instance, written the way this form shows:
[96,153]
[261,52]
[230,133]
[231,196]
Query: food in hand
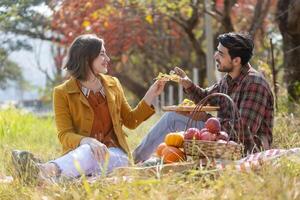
[174,139]
[168,77]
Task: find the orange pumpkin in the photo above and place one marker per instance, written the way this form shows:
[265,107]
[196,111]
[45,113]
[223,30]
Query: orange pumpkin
[174,139]
[172,154]
[160,148]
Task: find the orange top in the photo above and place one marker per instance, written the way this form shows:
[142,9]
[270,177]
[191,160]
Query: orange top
[102,128]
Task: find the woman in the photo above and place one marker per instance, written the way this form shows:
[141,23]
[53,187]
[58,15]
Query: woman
[90,109]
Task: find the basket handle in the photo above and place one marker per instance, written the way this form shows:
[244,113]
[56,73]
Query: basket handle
[233,114]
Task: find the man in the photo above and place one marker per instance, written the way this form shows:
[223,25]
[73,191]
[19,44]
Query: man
[248,89]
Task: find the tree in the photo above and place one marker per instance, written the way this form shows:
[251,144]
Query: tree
[243,15]
[29,19]
[9,71]
[25,18]
[165,33]
[288,12]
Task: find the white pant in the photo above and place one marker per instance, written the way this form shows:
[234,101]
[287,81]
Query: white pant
[82,161]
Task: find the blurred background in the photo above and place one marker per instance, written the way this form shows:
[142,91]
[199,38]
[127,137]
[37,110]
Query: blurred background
[143,38]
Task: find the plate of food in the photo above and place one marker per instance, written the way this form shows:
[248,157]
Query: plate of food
[187,106]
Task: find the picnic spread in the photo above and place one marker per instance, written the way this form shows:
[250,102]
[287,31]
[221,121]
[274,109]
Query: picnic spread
[250,163]
[210,146]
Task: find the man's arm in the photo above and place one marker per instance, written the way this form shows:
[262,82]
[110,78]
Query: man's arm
[196,93]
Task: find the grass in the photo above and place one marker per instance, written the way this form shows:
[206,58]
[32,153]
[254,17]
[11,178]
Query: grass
[19,130]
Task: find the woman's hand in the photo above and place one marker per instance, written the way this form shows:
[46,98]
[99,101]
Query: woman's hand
[99,149]
[184,79]
[155,90]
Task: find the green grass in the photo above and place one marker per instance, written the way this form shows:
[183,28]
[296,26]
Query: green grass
[25,131]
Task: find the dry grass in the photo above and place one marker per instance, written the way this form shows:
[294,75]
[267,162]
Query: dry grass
[25,131]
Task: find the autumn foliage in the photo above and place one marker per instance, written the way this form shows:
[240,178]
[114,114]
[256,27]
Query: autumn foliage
[114,22]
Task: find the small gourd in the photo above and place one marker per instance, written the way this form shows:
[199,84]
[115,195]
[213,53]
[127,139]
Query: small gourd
[160,148]
[172,154]
[174,139]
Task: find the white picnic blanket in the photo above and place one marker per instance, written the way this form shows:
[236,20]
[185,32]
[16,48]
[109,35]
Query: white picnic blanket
[256,160]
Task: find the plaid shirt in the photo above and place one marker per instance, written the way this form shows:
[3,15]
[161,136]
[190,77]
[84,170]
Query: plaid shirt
[254,99]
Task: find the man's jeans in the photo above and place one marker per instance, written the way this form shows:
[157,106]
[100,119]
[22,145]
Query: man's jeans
[82,161]
[169,122]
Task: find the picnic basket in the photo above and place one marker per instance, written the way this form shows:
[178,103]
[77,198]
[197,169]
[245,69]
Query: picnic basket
[200,149]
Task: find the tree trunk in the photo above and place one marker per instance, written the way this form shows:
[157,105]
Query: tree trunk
[201,59]
[131,85]
[288,12]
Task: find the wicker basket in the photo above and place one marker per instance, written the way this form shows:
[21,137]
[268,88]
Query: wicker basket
[199,149]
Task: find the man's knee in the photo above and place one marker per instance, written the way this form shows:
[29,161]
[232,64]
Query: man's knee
[171,116]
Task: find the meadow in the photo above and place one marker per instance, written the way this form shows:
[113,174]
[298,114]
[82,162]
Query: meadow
[20,130]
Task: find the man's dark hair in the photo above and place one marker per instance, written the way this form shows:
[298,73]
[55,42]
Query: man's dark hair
[82,53]
[238,45]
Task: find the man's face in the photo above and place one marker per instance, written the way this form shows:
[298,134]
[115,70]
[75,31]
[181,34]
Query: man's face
[223,60]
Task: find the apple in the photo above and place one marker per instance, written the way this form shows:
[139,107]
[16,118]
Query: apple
[208,136]
[198,135]
[232,142]
[190,133]
[203,130]
[222,135]
[221,141]
[213,125]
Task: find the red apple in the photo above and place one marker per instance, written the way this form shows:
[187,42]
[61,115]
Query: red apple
[221,141]
[208,136]
[232,142]
[213,125]
[222,135]
[190,133]
[203,130]
[198,135]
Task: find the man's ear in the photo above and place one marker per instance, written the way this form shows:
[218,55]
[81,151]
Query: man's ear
[237,61]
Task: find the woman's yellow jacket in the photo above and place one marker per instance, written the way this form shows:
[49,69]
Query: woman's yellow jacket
[74,116]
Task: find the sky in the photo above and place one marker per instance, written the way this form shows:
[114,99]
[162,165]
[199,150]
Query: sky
[28,62]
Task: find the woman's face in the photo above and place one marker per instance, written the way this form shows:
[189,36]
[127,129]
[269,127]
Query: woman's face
[100,63]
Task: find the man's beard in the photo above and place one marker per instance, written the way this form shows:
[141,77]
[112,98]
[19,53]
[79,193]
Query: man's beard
[225,69]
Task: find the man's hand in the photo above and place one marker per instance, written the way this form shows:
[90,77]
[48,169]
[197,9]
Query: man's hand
[184,79]
[99,149]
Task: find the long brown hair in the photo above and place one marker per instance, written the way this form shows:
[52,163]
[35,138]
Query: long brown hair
[82,53]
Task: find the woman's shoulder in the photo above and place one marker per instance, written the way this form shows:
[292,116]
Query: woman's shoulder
[110,79]
[67,85]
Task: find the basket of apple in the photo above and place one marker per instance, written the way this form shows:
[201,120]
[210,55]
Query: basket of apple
[210,141]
